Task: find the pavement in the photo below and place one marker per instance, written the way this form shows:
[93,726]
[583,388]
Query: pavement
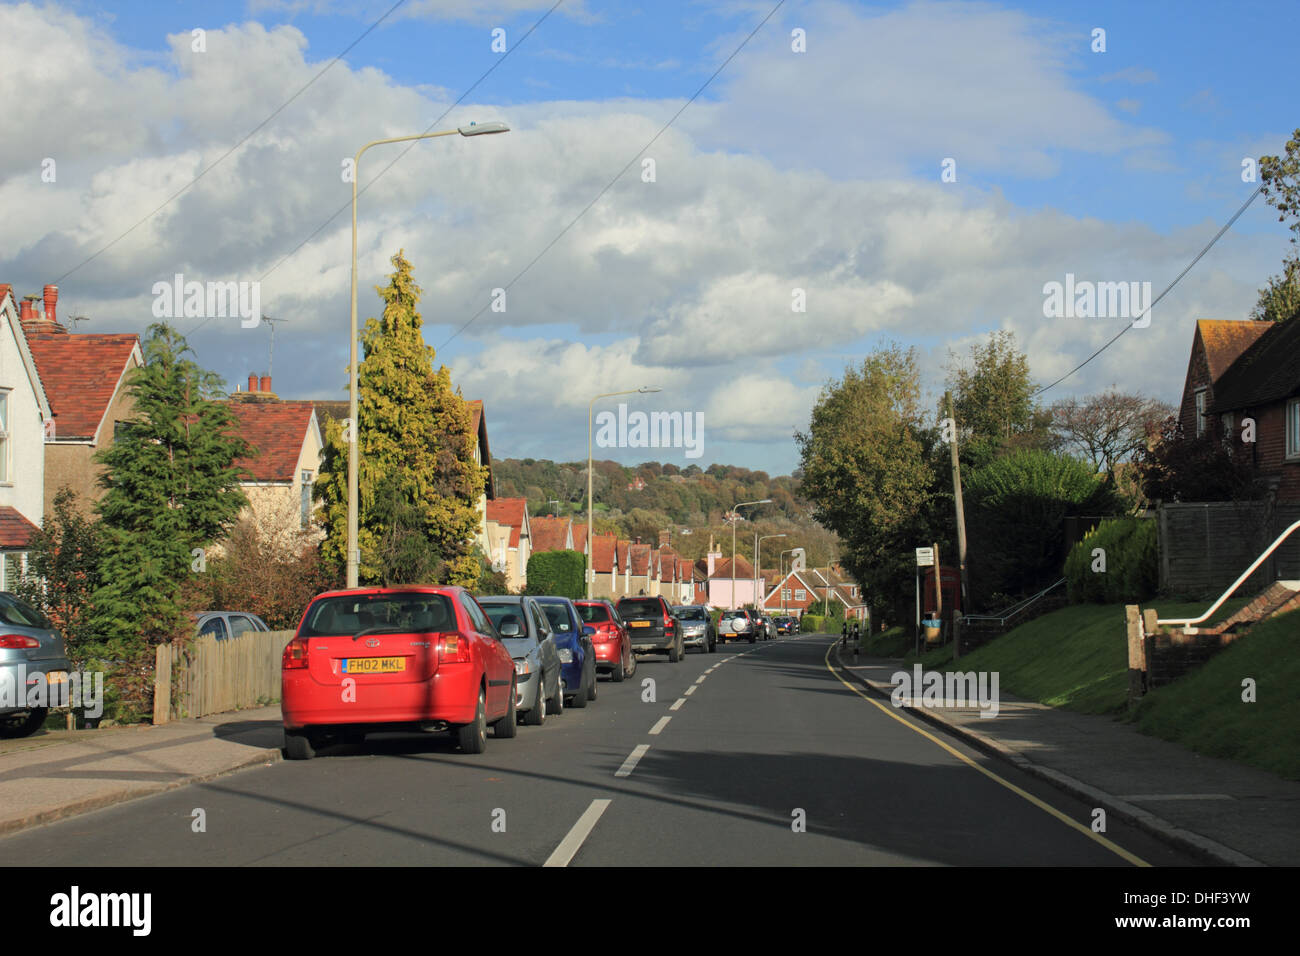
[1227,813]
[53,775]
[724,761]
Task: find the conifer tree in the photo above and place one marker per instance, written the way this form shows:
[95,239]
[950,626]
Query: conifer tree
[416,471]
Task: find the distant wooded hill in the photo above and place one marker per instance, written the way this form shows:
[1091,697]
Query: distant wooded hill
[643,500]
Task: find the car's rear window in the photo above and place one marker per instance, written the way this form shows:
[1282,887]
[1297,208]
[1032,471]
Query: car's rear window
[378,613]
[505,613]
[692,614]
[593,613]
[639,607]
[20,613]
[558,615]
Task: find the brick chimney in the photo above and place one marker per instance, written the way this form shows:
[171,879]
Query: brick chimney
[51,300]
[266,384]
[27,310]
[252,382]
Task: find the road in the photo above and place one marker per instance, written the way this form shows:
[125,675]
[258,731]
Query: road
[739,742]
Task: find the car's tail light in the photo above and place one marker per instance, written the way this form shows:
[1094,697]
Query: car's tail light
[604,634]
[453,648]
[668,623]
[18,641]
[295,654]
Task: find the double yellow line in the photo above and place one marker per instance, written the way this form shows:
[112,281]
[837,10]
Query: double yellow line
[1042,805]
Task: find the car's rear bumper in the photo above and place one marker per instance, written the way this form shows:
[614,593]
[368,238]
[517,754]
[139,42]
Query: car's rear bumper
[450,696]
[17,678]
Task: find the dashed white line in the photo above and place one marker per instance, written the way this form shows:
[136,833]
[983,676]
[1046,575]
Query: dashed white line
[630,763]
[573,840]
[660,724]
[690,690]
[701,678]
[677,703]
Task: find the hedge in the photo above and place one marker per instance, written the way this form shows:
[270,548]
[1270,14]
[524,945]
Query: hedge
[558,573]
[1131,554]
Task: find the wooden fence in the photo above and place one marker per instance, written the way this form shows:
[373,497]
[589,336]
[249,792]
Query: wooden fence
[209,676]
[1203,547]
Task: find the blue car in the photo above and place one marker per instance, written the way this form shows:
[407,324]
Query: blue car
[577,654]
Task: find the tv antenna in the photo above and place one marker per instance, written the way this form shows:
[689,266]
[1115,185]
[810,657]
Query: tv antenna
[270,358]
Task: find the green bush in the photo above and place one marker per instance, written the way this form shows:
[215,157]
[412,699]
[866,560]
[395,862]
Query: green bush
[1131,555]
[558,573]
[812,624]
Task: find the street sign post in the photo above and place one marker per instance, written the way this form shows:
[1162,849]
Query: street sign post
[925,557]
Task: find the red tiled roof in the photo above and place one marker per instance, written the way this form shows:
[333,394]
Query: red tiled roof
[549,534]
[15,530]
[1226,339]
[277,430]
[722,568]
[602,554]
[511,512]
[80,375]
[639,555]
[685,569]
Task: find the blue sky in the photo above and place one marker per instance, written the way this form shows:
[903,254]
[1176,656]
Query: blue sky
[818,170]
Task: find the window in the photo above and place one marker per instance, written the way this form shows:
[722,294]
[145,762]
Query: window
[241,625]
[1200,412]
[305,504]
[216,627]
[4,436]
[1293,428]
[786,594]
[478,620]
[800,594]
[1226,420]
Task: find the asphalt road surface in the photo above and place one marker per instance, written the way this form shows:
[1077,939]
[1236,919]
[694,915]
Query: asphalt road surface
[735,751]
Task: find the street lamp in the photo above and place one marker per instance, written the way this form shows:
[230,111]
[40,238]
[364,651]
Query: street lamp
[758,559]
[781,571]
[354,553]
[643,390]
[735,517]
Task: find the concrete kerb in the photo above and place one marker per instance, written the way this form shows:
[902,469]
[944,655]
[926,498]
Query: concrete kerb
[1177,837]
[264,757]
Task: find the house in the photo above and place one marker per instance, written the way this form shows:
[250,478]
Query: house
[1263,384]
[85,379]
[24,412]
[686,582]
[639,569]
[509,537]
[604,565]
[718,580]
[552,534]
[288,450]
[813,589]
[1216,345]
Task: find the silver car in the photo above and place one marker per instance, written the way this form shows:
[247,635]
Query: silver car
[32,654]
[526,633]
[697,629]
[225,624]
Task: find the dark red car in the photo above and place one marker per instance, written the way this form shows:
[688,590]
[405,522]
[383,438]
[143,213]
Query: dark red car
[395,659]
[613,649]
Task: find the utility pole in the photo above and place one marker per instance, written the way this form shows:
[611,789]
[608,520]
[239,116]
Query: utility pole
[961,521]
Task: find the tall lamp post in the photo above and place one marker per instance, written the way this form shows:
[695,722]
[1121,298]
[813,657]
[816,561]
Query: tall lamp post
[735,518]
[781,565]
[591,547]
[758,559]
[354,554]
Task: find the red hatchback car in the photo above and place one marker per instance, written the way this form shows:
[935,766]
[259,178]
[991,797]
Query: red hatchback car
[392,659]
[613,648]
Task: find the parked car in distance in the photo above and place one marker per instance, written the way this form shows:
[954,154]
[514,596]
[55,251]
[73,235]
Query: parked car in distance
[527,635]
[785,624]
[573,642]
[653,627]
[613,645]
[224,624]
[421,658]
[768,632]
[735,625]
[697,627]
[31,651]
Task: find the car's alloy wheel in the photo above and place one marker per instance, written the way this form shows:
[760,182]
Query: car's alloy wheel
[508,726]
[473,737]
[580,695]
[536,715]
[298,746]
[617,674]
[14,727]
[557,702]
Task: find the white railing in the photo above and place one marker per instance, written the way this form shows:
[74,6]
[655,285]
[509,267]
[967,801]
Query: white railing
[1186,622]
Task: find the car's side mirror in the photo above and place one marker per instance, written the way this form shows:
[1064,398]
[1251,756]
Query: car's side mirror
[508,628]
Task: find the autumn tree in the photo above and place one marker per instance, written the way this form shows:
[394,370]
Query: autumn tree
[1107,428]
[419,485]
[993,401]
